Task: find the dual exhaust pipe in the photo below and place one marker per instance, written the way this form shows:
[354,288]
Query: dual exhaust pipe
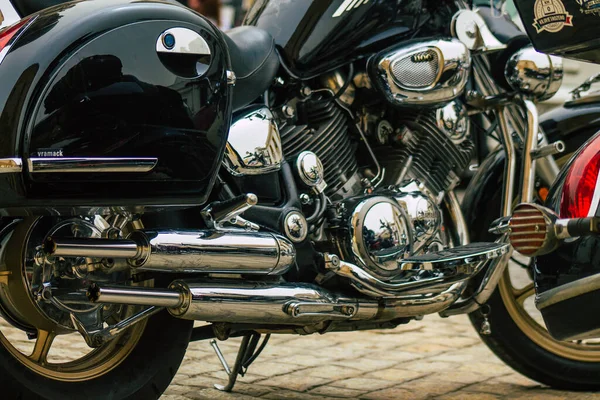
[258,253]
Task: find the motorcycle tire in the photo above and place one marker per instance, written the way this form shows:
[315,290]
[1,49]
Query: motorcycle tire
[543,359]
[144,374]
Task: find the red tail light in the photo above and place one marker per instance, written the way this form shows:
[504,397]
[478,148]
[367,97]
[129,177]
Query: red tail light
[580,183]
[7,34]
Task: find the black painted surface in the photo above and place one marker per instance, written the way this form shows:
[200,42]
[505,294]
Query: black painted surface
[312,41]
[576,36]
[85,79]
[574,317]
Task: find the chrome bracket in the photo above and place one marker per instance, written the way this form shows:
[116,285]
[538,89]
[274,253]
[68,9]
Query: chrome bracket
[585,86]
[548,150]
[305,309]
[98,337]
[225,215]
[248,352]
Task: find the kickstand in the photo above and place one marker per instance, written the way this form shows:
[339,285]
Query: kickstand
[246,356]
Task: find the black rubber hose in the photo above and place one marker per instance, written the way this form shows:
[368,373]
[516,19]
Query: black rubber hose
[320,206]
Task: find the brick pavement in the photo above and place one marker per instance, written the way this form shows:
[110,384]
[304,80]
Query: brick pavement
[434,358]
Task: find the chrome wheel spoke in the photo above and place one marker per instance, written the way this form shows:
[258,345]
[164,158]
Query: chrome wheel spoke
[524,293]
[42,346]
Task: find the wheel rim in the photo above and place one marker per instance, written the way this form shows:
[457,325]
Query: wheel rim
[514,301]
[93,364]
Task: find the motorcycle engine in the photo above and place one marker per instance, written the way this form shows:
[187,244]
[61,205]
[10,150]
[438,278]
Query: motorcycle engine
[422,152]
[391,147]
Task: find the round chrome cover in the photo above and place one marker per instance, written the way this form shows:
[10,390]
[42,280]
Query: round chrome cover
[310,169]
[453,120]
[380,235]
[295,226]
[534,74]
[254,144]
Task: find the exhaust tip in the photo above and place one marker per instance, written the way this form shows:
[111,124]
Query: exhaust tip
[49,246]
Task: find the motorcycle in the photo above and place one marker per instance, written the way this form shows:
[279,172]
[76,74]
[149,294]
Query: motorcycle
[295,175]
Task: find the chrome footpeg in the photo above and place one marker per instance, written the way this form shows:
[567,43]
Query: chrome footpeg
[453,258]
[438,268]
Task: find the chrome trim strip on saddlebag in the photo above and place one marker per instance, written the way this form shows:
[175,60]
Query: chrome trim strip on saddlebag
[8,165]
[91,164]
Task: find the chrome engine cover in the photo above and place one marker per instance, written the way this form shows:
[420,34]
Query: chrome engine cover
[254,144]
[375,231]
[422,73]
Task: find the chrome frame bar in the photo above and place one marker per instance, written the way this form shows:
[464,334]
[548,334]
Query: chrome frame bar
[511,163]
[529,147]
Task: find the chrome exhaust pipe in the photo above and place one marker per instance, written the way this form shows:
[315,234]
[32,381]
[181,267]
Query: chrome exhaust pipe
[207,251]
[268,303]
[138,296]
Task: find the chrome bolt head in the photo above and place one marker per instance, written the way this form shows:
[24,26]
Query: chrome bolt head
[295,226]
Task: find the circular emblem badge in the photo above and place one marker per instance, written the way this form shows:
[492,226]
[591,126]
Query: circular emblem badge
[551,16]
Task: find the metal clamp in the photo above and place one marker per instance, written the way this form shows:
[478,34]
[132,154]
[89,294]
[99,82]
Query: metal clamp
[96,338]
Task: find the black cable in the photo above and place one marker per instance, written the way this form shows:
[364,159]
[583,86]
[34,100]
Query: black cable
[342,89]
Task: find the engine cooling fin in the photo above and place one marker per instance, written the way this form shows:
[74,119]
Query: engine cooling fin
[326,133]
[437,161]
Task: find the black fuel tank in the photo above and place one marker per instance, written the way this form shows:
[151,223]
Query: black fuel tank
[113,103]
[314,36]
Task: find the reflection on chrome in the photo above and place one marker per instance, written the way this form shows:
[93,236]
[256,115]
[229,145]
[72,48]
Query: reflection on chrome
[206,251]
[453,120]
[424,214]
[254,144]
[426,72]
[380,234]
[534,74]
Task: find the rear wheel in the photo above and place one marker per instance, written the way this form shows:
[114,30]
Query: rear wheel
[518,334]
[42,356]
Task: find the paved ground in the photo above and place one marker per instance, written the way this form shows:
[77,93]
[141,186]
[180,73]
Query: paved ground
[433,358]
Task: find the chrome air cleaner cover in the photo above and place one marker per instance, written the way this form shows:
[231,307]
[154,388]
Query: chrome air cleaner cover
[422,72]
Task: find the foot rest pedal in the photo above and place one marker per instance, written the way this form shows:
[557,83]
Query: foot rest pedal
[471,253]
